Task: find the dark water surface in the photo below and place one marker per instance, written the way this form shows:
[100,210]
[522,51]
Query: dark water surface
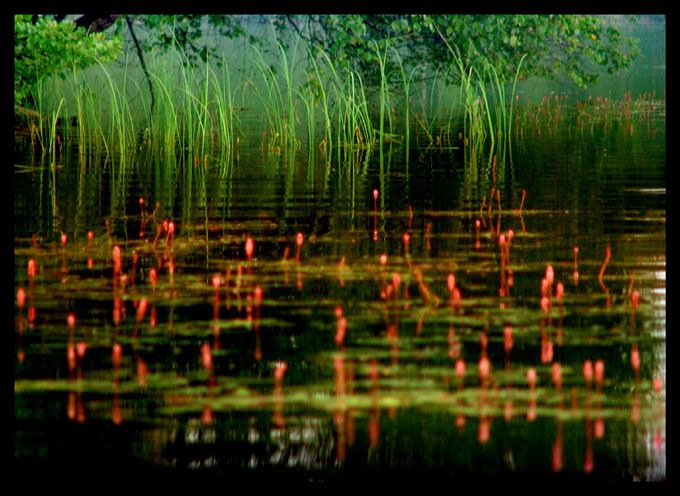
[191,384]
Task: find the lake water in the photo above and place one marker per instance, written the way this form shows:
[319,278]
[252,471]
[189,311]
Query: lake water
[319,362]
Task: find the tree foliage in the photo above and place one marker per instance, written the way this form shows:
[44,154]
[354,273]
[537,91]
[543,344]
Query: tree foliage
[576,46]
[187,33]
[44,47]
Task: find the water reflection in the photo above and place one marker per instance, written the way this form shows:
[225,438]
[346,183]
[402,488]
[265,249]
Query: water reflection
[360,324]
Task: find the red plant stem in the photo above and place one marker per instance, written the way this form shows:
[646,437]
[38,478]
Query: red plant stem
[493,190]
[630,286]
[608,255]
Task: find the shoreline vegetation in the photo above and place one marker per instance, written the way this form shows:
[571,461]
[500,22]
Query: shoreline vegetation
[194,113]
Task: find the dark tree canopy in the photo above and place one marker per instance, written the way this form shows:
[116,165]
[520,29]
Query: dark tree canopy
[576,46]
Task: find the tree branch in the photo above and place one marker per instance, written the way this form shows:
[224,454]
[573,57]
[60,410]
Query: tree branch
[94,23]
[141,59]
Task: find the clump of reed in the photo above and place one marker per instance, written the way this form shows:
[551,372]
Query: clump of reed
[598,114]
[189,117]
[546,116]
[277,97]
[627,115]
[487,110]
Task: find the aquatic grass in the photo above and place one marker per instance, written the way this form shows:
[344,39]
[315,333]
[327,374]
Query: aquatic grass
[196,114]
[197,121]
[91,135]
[349,102]
[383,94]
[427,123]
[288,78]
[121,122]
[42,109]
[279,104]
[317,91]
[272,104]
[53,137]
[80,117]
[406,84]
[307,98]
[225,114]
[164,119]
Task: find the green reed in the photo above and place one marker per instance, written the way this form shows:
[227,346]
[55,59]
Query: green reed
[194,119]
[121,128]
[432,98]
[319,94]
[53,137]
[279,102]
[406,84]
[307,98]
[384,103]
[349,104]
[164,123]
[50,99]
[224,114]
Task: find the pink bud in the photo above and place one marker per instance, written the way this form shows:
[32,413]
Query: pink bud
[657,384]
[116,254]
[206,356]
[460,368]
[279,371]
[531,377]
[250,248]
[557,374]
[635,358]
[507,335]
[141,309]
[588,371]
[116,353]
[21,298]
[484,368]
[396,280]
[550,274]
[636,298]
[545,303]
[81,348]
[451,282]
[599,371]
[341,330]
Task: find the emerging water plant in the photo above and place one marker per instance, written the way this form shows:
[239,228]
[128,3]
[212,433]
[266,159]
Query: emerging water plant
[188,114]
